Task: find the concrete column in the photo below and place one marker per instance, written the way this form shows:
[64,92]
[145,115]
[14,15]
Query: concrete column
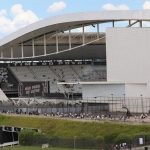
[22,54]
[1,53]
[141,23]
[129,22]
[11,52]
[44,44]
[33,48]
[69,39]
[83,36]
[113,23]
[97,30]
[56,42]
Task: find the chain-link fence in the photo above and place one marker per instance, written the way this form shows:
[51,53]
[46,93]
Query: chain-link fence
[107,106]
[109,142]
[37,139]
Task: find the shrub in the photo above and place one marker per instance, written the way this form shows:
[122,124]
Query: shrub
[26,137]
[133,139]
[144,135]
[109,140]
[123,138]
[29,137]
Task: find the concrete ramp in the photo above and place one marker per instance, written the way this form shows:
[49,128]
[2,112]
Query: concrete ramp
[3,97]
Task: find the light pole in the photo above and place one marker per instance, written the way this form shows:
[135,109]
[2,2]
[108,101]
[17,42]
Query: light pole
[75,106]
[124,100]
[95,107]
[67,107]
[99,108]
[142,104]
[112,101]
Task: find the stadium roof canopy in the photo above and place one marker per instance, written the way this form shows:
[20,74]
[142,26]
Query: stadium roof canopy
[53,38]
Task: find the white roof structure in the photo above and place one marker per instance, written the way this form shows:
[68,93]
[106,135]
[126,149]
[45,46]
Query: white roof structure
[15,42]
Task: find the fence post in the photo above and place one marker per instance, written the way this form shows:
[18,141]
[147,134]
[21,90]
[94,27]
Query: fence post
[112,102]
[74,142]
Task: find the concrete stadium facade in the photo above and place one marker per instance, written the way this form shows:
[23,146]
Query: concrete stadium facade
[125,48]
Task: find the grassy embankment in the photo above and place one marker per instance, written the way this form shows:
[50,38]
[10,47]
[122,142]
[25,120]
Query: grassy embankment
[68,128]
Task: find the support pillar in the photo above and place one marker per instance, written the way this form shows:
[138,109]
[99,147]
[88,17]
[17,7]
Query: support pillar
[56,42]
[97,30]
[22,54]
[1,53]
[113,23]
[33,48]
[11,52]
[141,23]
[129,22]
[69,39]
[83,36]
[45,44]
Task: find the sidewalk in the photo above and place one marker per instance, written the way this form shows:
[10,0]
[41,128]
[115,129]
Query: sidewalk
[139,148]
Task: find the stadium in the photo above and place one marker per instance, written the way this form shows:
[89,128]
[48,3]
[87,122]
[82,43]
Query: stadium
[81,62]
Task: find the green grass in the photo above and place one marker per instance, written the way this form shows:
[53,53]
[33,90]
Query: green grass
[68,128]
[35,148]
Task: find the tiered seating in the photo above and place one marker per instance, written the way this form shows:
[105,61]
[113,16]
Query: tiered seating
[65,73]
[3,75]
[23,74]
[90,73]
[44,73]
[62,73]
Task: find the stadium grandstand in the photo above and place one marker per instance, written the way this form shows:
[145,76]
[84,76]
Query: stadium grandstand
[98,60]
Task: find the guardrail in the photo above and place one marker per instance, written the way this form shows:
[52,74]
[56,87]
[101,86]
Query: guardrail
[9,144]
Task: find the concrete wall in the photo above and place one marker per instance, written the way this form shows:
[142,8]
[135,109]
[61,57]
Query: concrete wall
[135,90]
[128,57]
[91,91]
[132,98]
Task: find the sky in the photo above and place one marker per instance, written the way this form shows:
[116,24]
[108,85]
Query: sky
[16,14]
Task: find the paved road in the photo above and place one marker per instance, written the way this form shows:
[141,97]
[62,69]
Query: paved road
[139,148]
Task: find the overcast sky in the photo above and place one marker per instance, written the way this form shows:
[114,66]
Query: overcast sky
[15,14]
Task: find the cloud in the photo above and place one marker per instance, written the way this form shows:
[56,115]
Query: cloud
[146,5]
[20,18]
[3,12]
[57,6]
[17,9]
[110,6]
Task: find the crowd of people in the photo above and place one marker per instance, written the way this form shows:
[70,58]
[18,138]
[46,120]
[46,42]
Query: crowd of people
[105,116]
[78,115]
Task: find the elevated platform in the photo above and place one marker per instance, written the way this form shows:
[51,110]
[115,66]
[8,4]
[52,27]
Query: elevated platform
[91,89]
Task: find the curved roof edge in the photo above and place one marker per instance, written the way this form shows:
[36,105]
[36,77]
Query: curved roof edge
[76,17]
